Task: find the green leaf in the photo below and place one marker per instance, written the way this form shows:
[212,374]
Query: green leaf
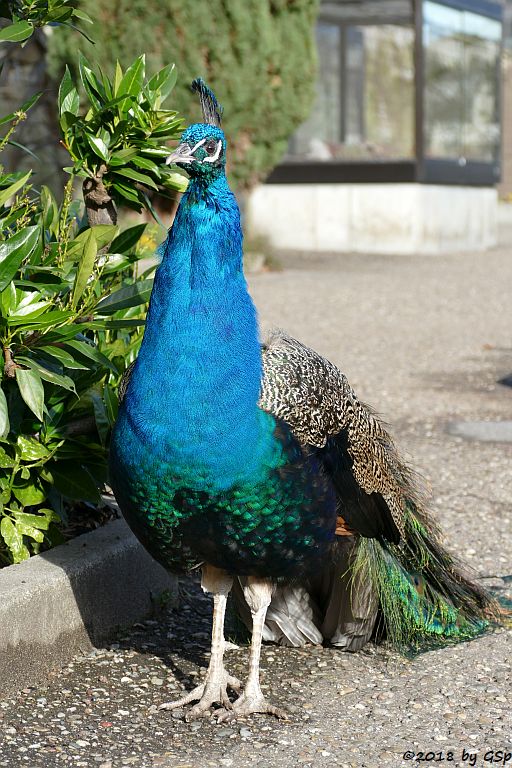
[29,530]
[14,250]
[163,81]
[111,404]
[50,210]
[42,321]
[58,335]
[8,299]
[82,15]
[67,121]
[117,325]
[16,33]
[100,417]
[146,164]
[5,194]
[58,13]
[71,480]
[7,118]
[103,234]
[68,99]
[133,78]
[29,494]
[80,31]
[53,378]
[14,540]
[155,151]
[117,78]
[123,156]
[128,239]
[31,390]
[92,352]
[107,85]
[85,267]
[173,180]
[129,296]
[117,262]
[98,146]
[4,416]
[89,82]
[31,449]
[30,311]
[136,176]
[128,194]
[6,461]
[63,357]
[31,101]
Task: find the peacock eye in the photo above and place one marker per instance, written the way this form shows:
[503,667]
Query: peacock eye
[210,146]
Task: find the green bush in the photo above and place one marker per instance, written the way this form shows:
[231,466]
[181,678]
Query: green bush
[72,293]
[70,320]
[258,56]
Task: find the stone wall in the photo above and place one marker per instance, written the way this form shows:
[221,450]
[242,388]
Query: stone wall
[374,218]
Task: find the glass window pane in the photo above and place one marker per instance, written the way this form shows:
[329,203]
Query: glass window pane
[323,128]
[444,98]
[364,108]
[379,95]
[462,55]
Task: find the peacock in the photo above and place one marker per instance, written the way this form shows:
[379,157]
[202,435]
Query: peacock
[258,464]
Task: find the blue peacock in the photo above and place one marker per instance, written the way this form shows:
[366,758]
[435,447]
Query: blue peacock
[258,463]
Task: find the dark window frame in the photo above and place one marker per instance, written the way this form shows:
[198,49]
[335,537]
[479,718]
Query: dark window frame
[419,169]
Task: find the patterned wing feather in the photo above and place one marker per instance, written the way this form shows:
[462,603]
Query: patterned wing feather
[315,399]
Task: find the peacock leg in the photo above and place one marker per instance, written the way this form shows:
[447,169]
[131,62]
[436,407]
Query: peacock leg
[214,688]
[257,593]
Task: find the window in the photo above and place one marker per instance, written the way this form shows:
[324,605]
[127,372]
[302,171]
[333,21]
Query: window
[364,109]
[406,91]
[319,136]
[462,59]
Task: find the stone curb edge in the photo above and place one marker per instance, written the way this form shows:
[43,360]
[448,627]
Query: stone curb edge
[63,602]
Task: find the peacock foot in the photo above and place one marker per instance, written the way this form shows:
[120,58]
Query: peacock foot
[250,703]
[212,691]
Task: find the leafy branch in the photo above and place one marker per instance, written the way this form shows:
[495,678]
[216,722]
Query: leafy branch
[28,15]
[119,145]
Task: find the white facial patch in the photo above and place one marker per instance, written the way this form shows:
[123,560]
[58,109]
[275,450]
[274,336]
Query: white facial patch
[199,143]
[213,158]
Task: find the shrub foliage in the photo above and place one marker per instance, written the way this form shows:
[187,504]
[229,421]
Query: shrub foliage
[72,291]
[258,56]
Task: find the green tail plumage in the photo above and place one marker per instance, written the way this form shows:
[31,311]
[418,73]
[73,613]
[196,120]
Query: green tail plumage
[425,598]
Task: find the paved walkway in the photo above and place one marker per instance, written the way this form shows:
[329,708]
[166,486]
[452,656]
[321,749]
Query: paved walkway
[425,340]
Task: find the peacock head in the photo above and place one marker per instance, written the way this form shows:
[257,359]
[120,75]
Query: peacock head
[202,149]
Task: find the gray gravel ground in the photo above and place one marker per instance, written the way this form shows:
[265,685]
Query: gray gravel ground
[426,341]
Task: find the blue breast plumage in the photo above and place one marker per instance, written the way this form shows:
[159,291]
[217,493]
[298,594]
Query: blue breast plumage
[200,471]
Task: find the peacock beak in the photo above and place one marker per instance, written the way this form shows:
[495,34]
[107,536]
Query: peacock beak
[182,154]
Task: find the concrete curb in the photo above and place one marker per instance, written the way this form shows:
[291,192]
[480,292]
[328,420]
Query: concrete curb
[65,601]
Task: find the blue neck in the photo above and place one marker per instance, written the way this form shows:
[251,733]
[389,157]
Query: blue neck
[194,391]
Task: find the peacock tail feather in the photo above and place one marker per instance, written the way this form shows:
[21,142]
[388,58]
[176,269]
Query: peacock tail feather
[426,599]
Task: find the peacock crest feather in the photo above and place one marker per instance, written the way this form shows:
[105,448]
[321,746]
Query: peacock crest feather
[212,110]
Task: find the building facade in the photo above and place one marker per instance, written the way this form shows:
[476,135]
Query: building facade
[403,149]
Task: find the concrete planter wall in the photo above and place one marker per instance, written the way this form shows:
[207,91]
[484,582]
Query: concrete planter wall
[63,602]
[374,218]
